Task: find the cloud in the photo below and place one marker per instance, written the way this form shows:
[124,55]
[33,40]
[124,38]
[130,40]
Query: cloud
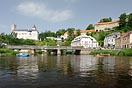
[41,11]
[71,1]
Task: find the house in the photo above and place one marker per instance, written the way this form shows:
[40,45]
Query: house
[25,33]
[109,41]
[124,41]
[118,43]
[81,32]
[105,25]
[84,41]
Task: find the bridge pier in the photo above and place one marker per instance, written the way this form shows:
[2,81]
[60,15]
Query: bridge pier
[77,52]
[58,51]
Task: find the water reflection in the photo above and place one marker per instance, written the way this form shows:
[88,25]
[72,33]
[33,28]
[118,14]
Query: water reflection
[28,68]
[66,71]
[130,71]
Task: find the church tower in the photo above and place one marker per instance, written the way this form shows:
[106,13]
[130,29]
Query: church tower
[13,27]
[34,28]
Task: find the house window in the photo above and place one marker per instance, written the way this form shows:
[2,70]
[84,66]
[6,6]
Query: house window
[30,33]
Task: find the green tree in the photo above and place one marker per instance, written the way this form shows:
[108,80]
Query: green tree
[29,42]
[122,21]
[129,23]
[71,36]
[45,34]
[60,32]
[71,33]
[50,42]
[78,32]
[106,20]
[67,42]
[90,26]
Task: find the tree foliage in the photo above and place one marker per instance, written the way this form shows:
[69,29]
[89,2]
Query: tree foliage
[45,34]
[129,23]
[49,42]
[106,20]
[60,32]
[122,21]
[78,33]
[90,26]
[99,36]
[125,22]
[71,33]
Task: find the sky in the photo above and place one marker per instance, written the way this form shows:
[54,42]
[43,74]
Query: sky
[58,14]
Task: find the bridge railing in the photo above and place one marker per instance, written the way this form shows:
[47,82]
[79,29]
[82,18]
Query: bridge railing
[40,47]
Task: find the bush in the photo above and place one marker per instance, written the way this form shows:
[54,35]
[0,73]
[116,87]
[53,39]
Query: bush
[125,52]
[111,52]
[4,51]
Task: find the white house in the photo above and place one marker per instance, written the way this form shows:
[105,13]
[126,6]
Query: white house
[105,25]
[25,33]
[109,41]
[84,41]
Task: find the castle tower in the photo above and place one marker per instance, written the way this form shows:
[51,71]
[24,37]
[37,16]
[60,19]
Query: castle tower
[34,28]
[13,27]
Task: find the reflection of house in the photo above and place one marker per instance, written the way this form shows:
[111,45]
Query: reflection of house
[27,68]
[106,25]
[87,63]
[124,41]
[25,33]
[85,41]
[109,40]
[81,32]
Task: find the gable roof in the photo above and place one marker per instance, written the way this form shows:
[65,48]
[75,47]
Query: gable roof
[126,34]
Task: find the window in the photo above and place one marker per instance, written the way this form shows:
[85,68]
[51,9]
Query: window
[30,33]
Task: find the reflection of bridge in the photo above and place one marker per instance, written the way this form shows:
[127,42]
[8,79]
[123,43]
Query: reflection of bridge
[56,49]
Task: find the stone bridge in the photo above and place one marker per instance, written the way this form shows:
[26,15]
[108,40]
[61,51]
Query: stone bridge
[56,49]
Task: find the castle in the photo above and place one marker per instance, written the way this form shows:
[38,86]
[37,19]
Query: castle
[25,33]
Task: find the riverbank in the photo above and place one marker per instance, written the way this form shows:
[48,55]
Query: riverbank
[7,52]
[123,52]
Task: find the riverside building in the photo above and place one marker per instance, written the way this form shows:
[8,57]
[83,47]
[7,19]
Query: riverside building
[25,33]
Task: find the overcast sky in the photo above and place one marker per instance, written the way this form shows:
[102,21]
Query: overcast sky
[58,14]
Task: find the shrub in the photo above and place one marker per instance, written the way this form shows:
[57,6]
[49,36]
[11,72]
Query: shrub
[125,52]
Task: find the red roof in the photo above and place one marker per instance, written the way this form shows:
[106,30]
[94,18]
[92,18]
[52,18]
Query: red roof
[82,31]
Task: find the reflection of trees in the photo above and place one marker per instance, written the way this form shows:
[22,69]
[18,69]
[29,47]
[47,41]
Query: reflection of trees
[69,69]
[13,65]
[10,64]
[122,72]
[42,64]
[118,77]
[103,78]
[130,71]
[58,65]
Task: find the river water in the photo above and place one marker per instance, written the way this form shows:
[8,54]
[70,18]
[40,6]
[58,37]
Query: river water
[70,71]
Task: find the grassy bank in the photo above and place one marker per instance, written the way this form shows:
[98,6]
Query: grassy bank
[123,52]
[6,52]
[111,52]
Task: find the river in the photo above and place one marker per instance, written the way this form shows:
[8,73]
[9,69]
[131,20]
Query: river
[69,71]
